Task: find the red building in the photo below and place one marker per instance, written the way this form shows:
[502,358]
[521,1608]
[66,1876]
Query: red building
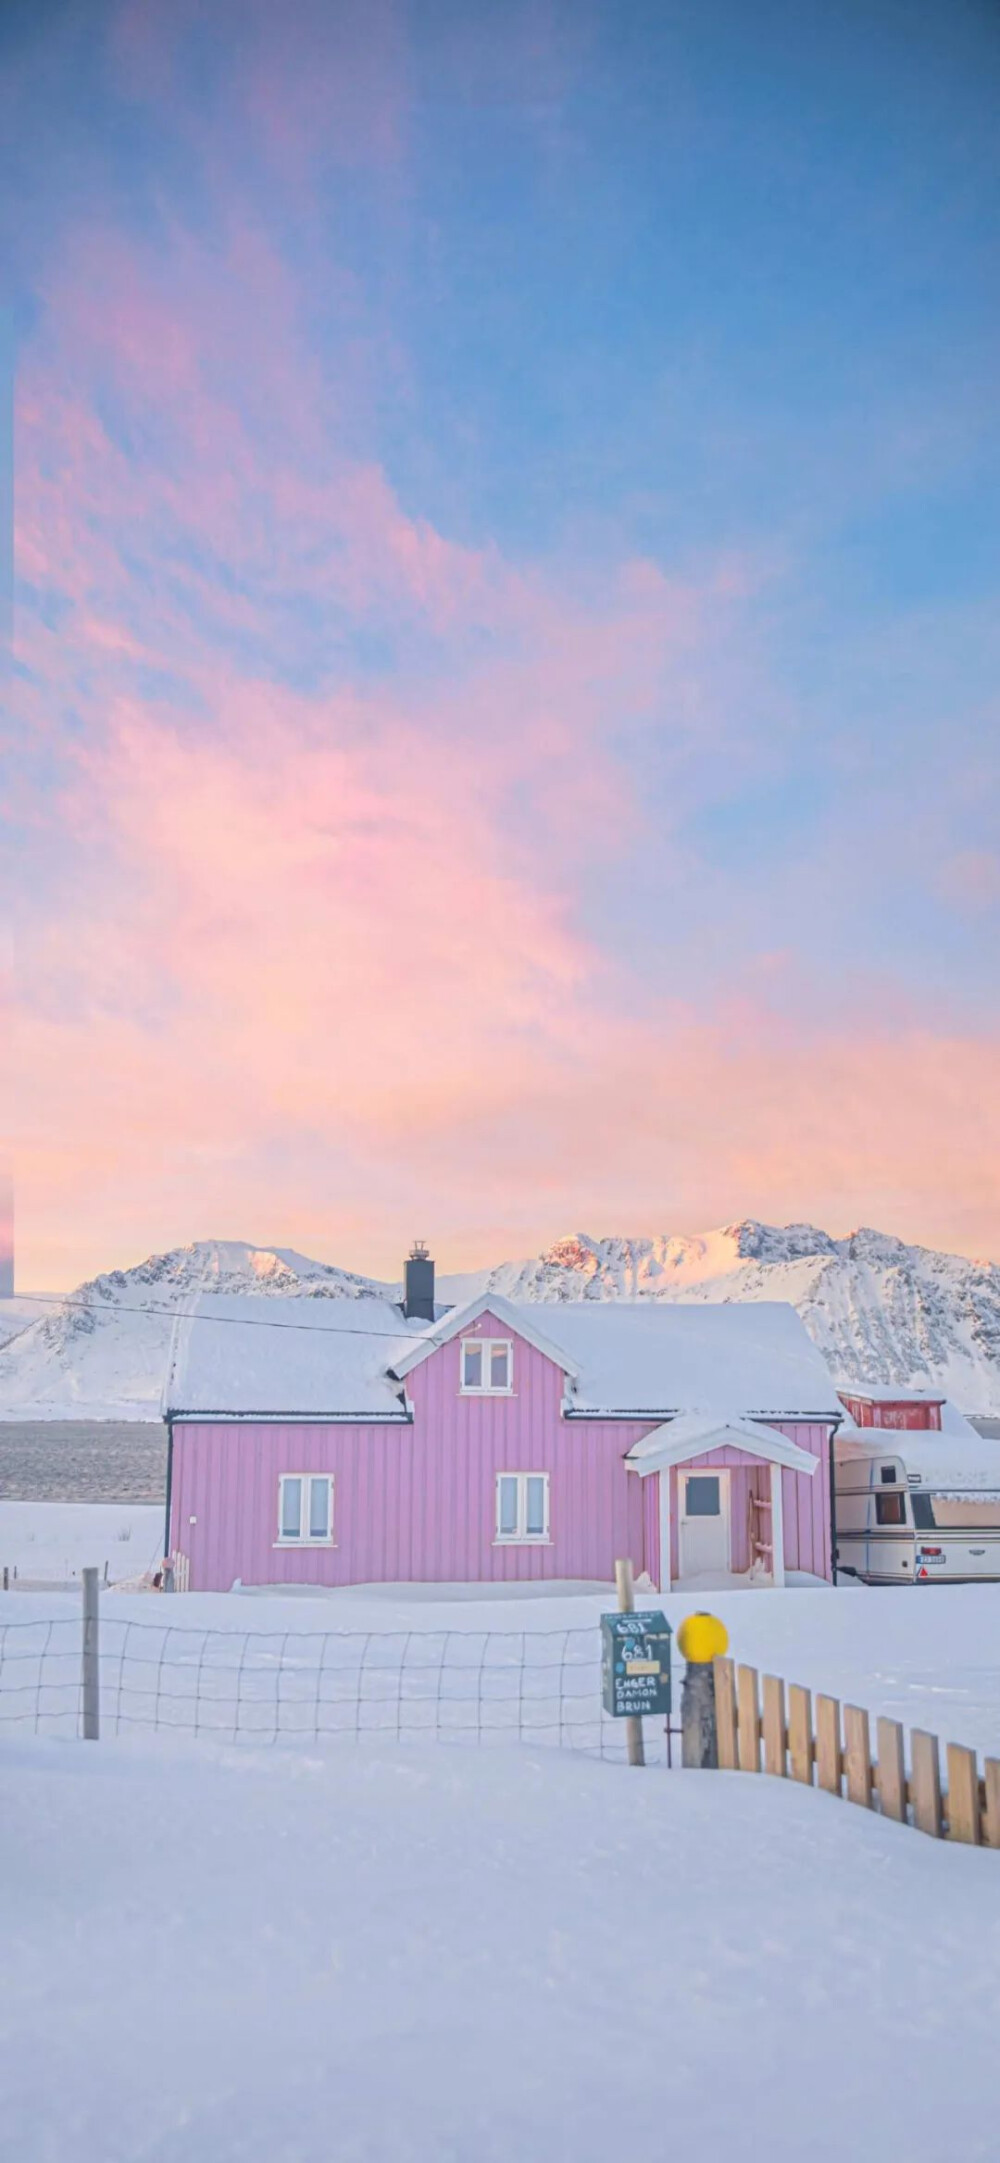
[914,1411]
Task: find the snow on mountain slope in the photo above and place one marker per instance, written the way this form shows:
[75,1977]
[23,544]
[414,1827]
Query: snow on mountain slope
[881,1312]
[102,1353]
[15,1314]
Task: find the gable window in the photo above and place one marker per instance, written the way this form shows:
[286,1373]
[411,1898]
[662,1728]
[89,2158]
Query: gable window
[305,1509]
[487,1366]
[522,1506]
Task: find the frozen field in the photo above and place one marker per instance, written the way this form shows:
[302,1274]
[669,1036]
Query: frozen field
[928,1656]
[442,1957]
[929,1659]
[434,1955]
[50,1542]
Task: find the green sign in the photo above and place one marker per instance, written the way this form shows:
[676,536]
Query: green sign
[635,1663]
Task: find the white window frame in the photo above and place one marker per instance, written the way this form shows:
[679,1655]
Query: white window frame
[522,1537]
[305,1538]
[486,1387]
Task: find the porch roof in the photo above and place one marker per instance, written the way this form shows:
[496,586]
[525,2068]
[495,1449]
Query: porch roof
[693,1434]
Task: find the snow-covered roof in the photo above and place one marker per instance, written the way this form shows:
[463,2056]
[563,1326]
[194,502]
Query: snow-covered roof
[648,1357]
[956,1461]
[289,1357]
[237,1356]
[693,1433]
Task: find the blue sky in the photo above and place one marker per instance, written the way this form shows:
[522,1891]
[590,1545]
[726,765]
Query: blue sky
[557,444]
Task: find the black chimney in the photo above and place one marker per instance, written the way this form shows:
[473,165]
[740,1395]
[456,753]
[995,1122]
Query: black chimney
[418,1290]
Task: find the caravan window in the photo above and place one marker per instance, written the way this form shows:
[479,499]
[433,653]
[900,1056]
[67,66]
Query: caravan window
[890,1509]
[888,1475]
[923,1513]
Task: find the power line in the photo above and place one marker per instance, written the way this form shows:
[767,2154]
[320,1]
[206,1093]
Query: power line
[234,1321]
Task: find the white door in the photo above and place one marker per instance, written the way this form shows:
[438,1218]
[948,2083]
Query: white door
[704,1523]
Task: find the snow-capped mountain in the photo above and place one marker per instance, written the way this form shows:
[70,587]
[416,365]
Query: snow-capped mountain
[882,1312]
[102,1352]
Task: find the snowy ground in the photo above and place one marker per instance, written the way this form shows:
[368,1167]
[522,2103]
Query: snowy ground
[420,1954]
[440,1957]
[51,1542]
[928,1656]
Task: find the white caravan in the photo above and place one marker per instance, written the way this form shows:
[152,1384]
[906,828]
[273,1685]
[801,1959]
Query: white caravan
[917,1506]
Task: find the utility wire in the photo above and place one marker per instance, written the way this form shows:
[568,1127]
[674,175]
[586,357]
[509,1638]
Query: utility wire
[234,1321]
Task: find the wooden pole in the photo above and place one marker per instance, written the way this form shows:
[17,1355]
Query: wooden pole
[829,1757]
[991,1819]
[747,1720]
[91,1659]
[800,1733]
[963,1794]
[725,1712]
[858,1756]
[626,1606]
[775,1740]
[926,1782]
[891,1770]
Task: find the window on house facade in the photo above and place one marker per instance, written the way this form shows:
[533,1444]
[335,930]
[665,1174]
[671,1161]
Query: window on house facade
[305,1509]
[522,1506]
[487,1366]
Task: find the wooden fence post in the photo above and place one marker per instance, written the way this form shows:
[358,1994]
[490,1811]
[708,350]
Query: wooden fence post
[828,1758]
[858,1756]
[725,1713]
[800,1734]
[991,1815]
[699,1733]
[926,1782]
[747,1719]
[774,1725]
[963,1794]
[91,1659]
[634,1744]
[970,1811]
[891,1770]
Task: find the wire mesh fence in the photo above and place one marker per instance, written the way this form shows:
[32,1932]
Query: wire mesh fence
[485,1688]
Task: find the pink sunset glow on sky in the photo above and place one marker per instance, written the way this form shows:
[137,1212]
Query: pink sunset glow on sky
[503,730]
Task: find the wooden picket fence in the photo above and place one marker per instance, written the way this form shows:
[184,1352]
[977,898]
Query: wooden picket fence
[840,1757]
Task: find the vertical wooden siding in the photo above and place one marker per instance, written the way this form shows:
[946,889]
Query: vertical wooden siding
[417,1503]
[595,1505]
[806,1502]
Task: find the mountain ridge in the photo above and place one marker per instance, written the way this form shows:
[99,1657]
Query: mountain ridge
[883,1312]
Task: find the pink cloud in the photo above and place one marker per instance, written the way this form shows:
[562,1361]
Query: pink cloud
[312,964]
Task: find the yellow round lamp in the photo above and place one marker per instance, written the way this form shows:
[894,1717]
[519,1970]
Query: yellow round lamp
[702,1638]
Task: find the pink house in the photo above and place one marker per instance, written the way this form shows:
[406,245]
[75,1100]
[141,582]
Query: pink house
[333,1442]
